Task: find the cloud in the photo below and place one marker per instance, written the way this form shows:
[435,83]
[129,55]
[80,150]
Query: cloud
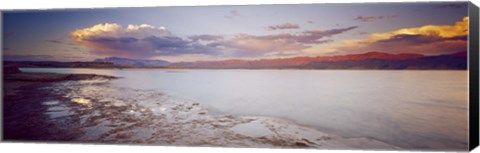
[373,18]
[138,41]
[205,37]
[253,45]
[418,39]
[114,30]
[446,31]
[428,39]
[283,26]
[363,33]
[146,41]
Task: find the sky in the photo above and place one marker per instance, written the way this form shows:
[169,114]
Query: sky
[201,33]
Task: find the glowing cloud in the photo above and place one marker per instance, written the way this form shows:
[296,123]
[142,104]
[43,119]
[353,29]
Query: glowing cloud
[139,41]
[428,39]
[445,31]
[115,30]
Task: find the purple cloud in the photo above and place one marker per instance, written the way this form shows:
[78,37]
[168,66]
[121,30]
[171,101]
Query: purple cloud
[253,45]
[419,39]
[147,41]
[141,41]
[283,26]
[374,18]
[205,37]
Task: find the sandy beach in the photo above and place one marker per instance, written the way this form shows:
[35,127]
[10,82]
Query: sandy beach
[84,108]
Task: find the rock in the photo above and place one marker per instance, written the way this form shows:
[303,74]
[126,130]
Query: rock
[304,143]
[301,144]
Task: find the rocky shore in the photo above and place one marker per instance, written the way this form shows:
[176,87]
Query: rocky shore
[23,112]
[85,108]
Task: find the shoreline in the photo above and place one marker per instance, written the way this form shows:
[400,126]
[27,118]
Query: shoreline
[161,119]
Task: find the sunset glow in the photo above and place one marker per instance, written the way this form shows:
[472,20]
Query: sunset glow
[236,32]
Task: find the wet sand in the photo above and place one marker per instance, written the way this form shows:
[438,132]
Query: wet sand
[85,108]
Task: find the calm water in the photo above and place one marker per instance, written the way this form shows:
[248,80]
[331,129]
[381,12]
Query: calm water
[410,109]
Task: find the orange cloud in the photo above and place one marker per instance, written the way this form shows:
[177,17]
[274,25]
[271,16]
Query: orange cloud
[446,31]
[428,39]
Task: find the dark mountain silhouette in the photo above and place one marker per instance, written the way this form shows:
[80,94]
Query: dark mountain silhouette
[371,60]
[134,62]
[456,61]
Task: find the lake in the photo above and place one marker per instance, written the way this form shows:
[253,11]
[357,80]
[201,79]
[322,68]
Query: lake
[410,109]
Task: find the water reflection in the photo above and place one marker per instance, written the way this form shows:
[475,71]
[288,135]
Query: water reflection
[56,110]
[82,101]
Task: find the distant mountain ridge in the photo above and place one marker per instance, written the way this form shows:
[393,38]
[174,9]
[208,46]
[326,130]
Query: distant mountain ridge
[369,60]
[301,62]
[452,61]
[134,62]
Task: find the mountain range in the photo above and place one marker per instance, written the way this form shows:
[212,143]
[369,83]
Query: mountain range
[370,60]
[134,62]
[295,62]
